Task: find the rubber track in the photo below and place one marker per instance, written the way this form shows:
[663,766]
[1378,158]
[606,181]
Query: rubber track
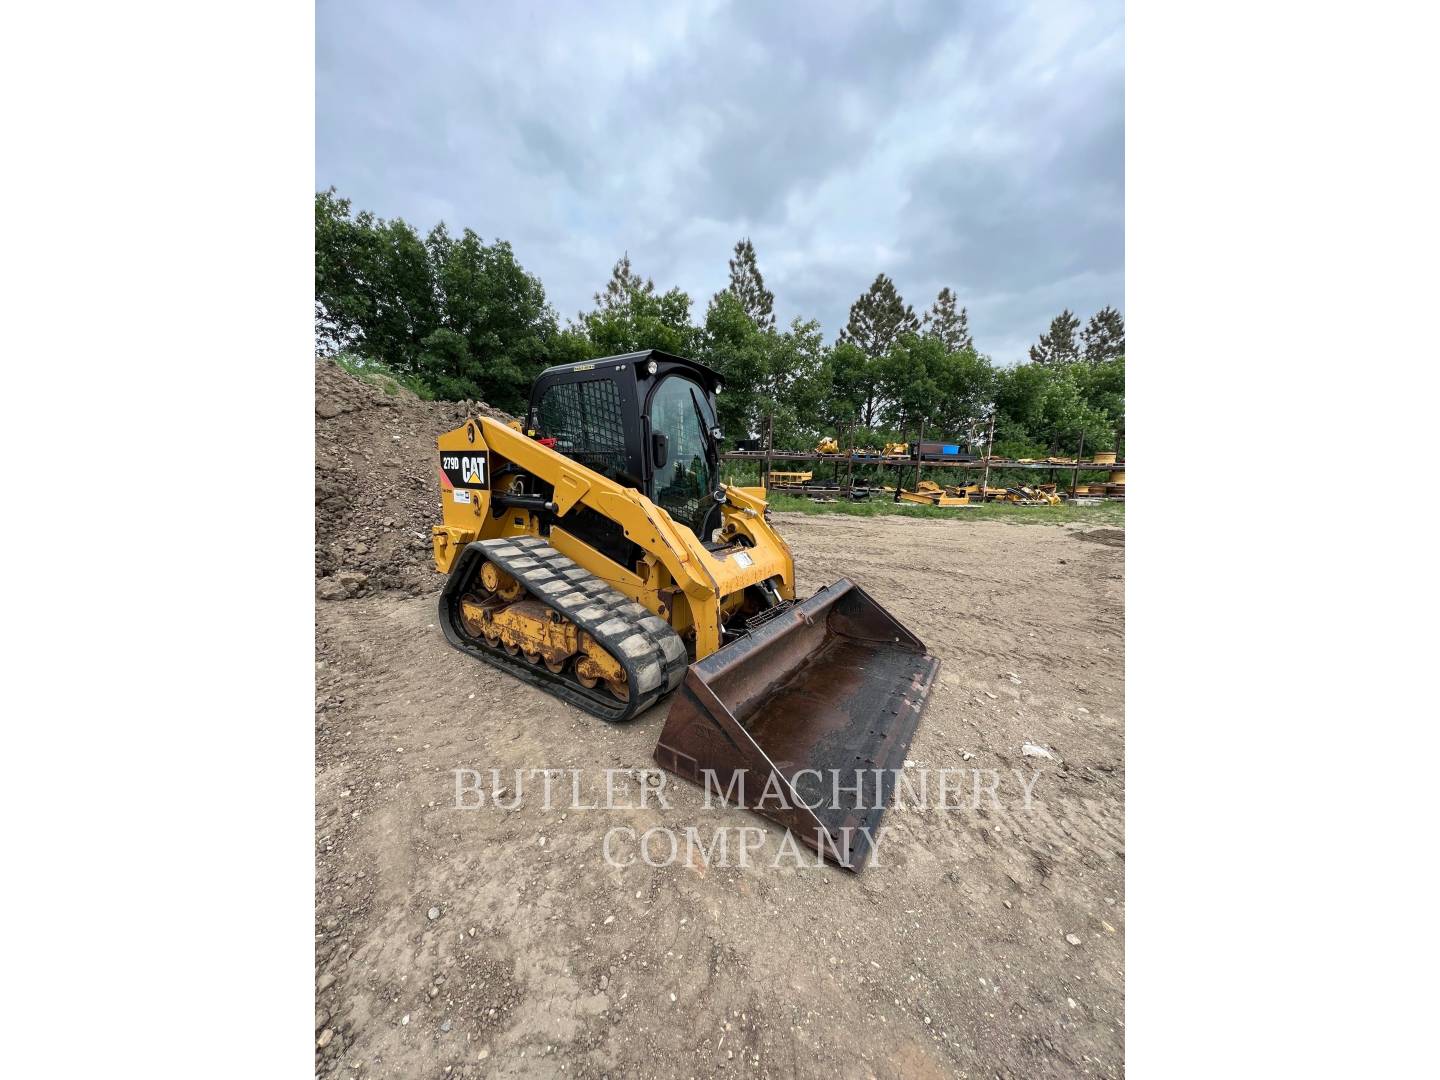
[651,653]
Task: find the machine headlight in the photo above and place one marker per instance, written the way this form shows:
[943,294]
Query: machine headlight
[652,367]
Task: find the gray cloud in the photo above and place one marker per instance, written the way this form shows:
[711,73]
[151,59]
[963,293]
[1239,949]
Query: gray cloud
[975,147]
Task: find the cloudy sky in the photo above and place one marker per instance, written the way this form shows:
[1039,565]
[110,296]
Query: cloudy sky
[949,143]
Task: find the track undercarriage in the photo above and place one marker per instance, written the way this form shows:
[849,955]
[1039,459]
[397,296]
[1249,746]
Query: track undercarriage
[520,605]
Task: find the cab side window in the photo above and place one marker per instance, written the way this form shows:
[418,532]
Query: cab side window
[586,422]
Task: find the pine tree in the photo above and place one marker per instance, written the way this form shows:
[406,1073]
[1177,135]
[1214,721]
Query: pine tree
[1057,345]
[622,284]
[749,287]
[631,314]
[877,321]
[952,328]
[1104,336]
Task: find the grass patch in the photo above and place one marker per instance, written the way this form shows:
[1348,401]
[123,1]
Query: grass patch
[377,374]
[1107,513]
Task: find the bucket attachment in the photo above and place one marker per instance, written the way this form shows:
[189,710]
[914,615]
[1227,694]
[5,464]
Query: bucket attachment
[806,719]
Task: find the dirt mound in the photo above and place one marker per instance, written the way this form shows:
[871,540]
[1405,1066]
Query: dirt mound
[377,486]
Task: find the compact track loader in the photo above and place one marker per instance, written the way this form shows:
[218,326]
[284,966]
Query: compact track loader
[595,554]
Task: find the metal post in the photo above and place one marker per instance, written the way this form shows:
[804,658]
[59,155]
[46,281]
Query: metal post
[769,446]
[1075,472]
[899,479]
[918,441]
[850,464]
[989,447]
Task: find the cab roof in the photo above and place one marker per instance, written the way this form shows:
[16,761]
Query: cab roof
[640,357]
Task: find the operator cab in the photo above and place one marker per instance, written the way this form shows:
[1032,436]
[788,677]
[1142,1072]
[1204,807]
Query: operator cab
[645,420]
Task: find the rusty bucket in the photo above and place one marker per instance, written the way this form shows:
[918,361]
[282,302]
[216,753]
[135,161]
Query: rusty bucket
[806,719]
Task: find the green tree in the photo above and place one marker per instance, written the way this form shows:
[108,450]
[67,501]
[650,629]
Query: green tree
[373,290]
[341,275]
[1103,386]
[732,345]
[1104,336]
[965,385]
[630,315]
[793,386]
[446,357]
[1067,415]
[1057,345]
[624,285]
[457,316]
[907,380]
[1045,408]
[748,286]
[950,326]
[927,384]
[1018,391]
[844,380]
[495,329]
[877,321]
[572,345]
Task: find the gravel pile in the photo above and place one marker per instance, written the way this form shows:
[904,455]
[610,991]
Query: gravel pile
[377,486]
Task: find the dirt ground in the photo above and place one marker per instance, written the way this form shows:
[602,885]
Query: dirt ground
[498,942]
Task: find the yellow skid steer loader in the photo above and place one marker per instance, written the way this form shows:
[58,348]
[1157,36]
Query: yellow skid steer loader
[596,555]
